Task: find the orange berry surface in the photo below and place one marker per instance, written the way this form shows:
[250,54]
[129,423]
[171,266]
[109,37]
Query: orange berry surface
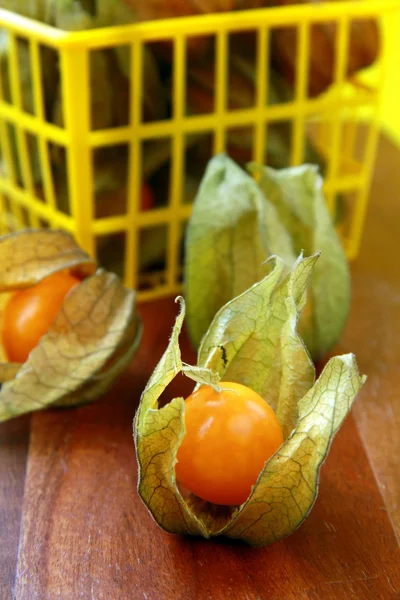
[229,437]
[147,199]
[29,313]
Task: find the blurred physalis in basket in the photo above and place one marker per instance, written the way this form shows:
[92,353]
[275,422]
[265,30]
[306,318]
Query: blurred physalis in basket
[243,472]
[68,329]
[362,51]
[237,224]
[111,87]
[111,98]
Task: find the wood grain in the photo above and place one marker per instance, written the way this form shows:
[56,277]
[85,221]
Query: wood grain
[14,439]
[85,533]
[373,330]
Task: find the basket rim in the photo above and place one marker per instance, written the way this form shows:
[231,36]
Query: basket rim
[195,25]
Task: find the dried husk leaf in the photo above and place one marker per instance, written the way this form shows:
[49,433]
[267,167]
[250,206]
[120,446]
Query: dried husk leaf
[29,256]
[198,47]
[238,223]
[287,488]
[252,337]
[110,105]
[92,339]
[258,344]
[159,9]
[297,194]
[231,233]
[38,9]
[157,434]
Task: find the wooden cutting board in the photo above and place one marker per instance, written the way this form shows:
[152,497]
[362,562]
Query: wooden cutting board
[86,534]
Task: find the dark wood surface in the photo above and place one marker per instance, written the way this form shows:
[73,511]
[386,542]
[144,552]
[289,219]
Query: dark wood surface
[14,438]
[72,526]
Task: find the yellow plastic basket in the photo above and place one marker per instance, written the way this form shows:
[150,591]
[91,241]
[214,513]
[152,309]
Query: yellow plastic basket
[334,117]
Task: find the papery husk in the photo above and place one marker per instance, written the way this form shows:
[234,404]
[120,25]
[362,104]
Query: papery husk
[252,340]
[91,340]
[239,221]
